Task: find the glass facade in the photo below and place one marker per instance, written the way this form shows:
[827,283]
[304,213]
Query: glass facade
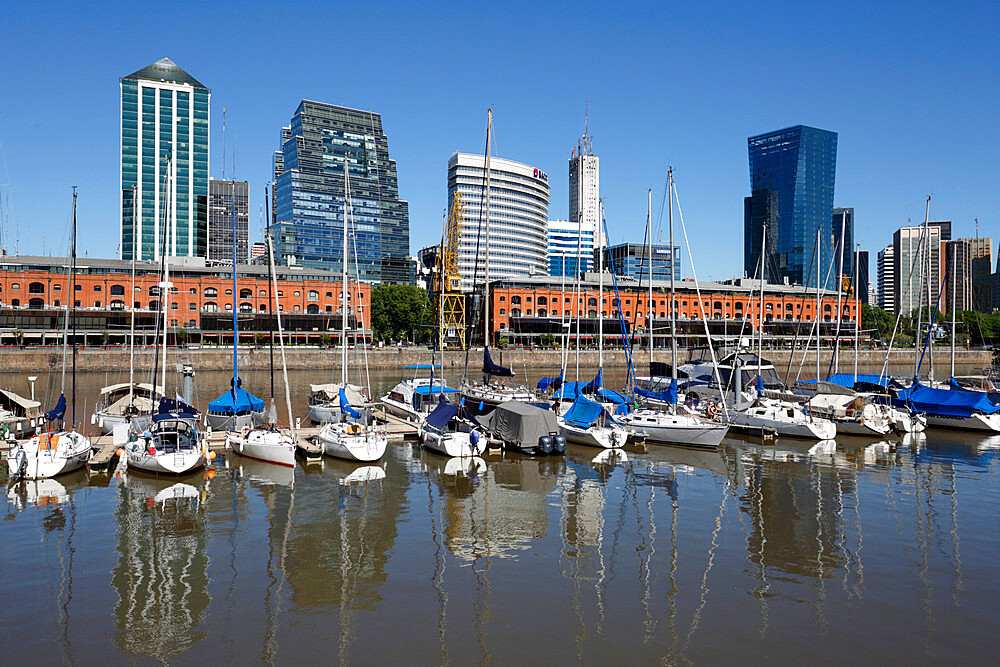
[843,218]
[799,165]
[630,259]
[220,220]
[164,116]
[309,194]
[571,249]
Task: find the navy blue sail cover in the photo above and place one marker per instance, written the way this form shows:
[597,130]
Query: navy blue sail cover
[442,414]
[668,396]
[58,411]
[584,412]
[169,405]
[492,368]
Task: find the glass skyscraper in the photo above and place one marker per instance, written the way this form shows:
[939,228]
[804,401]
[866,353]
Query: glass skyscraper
[798,164]
[221,197]
[309,194]
[164,121]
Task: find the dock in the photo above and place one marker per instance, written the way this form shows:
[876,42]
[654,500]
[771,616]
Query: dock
[105,451]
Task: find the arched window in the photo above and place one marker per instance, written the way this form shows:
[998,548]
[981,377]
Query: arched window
[15,285]
[788,306]
[542,301]
[768,307]
[592,302]
[262,293]
[528,312]
[826,308]
[296,309]
[229,306]
[329,295]
[312,309]
[717,305]
[592,313]
[515,300]
[36,288]
[297,293]
[229,292]
[246,293]
[312,295]
[211,292]
[210,307]
[154,305]
[246,307]
[117,290]
[153,291]
[117,304]
[329,309]
[515,312]
[503,298]
[36,303]
[262,309]
[15,302]
[97,288]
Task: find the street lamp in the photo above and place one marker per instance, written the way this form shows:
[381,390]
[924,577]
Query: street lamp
[32,379]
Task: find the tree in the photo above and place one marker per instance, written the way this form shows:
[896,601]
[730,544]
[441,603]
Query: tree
[398,310]
[879,322]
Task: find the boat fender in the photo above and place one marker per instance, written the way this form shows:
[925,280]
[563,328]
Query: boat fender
[20,463]
[559,444]
[152,450]
[545,445]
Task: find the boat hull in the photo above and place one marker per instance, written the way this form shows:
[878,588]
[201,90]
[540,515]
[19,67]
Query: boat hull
[352,442]
[266,446]
[163,463]
[456,444]
[678,430]
[223,422]
[71,452]
[769,422]
[594,436]
[974,422]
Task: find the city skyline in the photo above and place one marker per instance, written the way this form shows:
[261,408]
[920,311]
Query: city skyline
[890,155]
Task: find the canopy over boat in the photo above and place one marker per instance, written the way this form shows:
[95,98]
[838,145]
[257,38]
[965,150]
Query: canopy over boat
[491,368]
[442,414]
[847,379]
[668,396]
[512,421]
[585,412]
[178,407]
[123,387]
[553,382]
[19,405]
[236,401]
[424,390]
[422,367]
[332,392]
[345,405]
[949,402]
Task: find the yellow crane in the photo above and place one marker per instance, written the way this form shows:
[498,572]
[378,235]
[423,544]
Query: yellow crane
[451,300]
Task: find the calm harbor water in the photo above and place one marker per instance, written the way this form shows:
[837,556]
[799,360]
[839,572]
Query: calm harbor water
[859,551]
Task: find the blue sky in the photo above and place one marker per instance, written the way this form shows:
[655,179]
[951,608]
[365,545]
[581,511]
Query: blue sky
[912,88]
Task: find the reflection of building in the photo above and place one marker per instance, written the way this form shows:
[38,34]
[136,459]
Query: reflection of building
[518,217]
[164,113]
[162,572]
[220,220]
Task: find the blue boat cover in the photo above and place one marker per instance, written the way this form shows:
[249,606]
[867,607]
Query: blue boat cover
[596,383]
[168,405]
[584,412]
[612,396]
[58,411]
[553,382]
[345,406]
[236,401]
[442,414]
[570,390]
[423,367]
[494,369]
[947,402]
[847,379]
[668,396]
[436,389]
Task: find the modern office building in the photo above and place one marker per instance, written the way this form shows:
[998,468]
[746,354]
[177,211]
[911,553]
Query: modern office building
[221,195]
[760,213]
[911,270]
[798,164]
[843,219]
[944,228]
[632,259]
[995,286]
[584,185]
[863,276]
[957,288]
[981,261]
[309,194]
[518,217]
[571,247]
[887,278]
[164,127]
[258,251]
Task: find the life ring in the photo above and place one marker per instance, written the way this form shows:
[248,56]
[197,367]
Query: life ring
[711,411]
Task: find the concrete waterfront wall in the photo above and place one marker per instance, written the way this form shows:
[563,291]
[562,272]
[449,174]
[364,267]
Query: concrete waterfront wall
[115,358]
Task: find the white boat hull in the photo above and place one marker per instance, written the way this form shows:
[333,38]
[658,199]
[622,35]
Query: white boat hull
[774,420]
[325,414]
[608,437]
[862,427]
[402,411]
[108,422]
[163,463]
[264,445]
[452,443]
[676,429]
[352,442]
[71,452]
[974,422]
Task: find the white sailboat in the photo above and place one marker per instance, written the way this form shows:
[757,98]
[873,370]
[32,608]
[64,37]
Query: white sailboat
[445,432]
[669,426]
[352,440]
[49,454]
[269,442]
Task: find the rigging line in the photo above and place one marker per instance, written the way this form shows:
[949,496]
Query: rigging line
[798,325]
[471,324]
[899,309]
[816,320]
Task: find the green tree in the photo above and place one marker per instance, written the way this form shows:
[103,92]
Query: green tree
[399,310]
[879,322]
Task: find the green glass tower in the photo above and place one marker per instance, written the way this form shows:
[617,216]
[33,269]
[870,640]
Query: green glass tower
[164,129]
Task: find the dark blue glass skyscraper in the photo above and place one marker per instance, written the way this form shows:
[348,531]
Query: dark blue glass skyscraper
[797,164]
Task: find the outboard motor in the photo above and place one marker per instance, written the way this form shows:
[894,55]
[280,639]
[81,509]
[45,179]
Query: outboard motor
[474,441]
[559,444]
[545,445]
[20,466]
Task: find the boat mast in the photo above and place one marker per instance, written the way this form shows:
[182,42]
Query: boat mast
[953,281]
[817,308]
[236,378]
[72,296]
[131,347]
[649,270]
[673,264]
[486,284]
[925,237]
[930,298]
[343,278]
[270,296]
[281,339]
[857,308]
[577,298]
[600,298]
[760,312]
[166,286]
[840,272]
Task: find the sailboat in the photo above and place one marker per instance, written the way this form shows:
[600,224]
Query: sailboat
[237,408]
[483,396]
[355,438]
[169,443]
[54,453]
[119,403]
[269,442]
[668,426]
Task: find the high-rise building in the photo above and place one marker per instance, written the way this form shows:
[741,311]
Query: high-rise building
[911,253]
[760,209]
[220,220]
[957,287]
[944,228]
[843,219]
[887,278]
[164,124]
[862,276]
[799,165]
[584,185]
[995,286]
[258,253]
[309,194]
[632,259]
[571,247]
[518,217]
[981,261]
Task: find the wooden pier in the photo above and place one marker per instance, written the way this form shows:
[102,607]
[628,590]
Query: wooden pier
[105,451]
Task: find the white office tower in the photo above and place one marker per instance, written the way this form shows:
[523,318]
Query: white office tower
[518,217]
[887,279]
[584,184]
[571,247]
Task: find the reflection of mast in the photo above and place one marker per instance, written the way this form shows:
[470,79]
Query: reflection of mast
[66,582]
[272,603]
[696,618]
[438,578]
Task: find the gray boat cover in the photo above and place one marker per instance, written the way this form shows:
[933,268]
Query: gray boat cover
[519,423]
